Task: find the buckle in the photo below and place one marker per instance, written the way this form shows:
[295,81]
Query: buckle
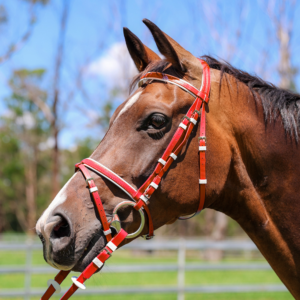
[141,82]
[202,138]
[147,237]
[88,179]
[107,251]
[186,117]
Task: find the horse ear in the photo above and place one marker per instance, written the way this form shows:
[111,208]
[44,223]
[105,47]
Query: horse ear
[140,53]
[180,58]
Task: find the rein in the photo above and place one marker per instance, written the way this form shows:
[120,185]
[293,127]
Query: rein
[141,196]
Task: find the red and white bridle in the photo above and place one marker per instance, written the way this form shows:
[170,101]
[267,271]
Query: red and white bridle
[141,196]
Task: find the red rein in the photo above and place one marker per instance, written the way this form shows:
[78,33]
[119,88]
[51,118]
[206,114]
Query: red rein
[143,194]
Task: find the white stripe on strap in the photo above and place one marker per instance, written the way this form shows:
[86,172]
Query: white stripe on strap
[182,126]
[163,162]
[193,121]
[153,185]
[93,189]
[111,246]
[203,181]
[144,198]
[173,156]
[55,285]
[202,148]
[172,82]
[77,283]
[107,232]
[108,178]
[98,262]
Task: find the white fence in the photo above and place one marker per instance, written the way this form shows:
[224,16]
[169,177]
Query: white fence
[179,245]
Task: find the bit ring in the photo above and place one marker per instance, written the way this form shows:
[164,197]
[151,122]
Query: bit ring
[116,219]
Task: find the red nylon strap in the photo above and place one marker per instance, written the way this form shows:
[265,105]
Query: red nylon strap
[49,292]
[202,138]
[97,200]
[92,268]
[202,159]
[59,278]
[110,175]
[177,81]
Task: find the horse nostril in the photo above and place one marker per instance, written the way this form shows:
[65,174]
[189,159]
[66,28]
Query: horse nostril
[62,229]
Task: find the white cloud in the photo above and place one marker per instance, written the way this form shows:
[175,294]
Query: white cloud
[8,114]
[48,144]
[27,120]
[115,66]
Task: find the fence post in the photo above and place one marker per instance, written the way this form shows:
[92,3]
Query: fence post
[181,269]
[27,283]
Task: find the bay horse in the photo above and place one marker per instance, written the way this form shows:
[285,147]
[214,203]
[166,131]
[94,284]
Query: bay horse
[252,161]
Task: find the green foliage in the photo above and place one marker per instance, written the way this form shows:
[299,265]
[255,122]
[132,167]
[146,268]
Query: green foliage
[22,130]
[69,157]
[11,177]
[25,143]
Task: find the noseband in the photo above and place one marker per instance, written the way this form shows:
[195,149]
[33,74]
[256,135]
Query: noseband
[141,196]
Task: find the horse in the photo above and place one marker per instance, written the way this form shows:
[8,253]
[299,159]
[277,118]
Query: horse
[252,162]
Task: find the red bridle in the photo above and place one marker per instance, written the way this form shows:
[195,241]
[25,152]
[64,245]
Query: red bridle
[143,194]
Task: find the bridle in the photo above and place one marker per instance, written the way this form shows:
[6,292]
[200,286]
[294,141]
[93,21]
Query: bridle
[141,196]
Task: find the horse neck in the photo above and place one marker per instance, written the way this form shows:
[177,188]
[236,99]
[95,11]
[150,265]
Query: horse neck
[261,189]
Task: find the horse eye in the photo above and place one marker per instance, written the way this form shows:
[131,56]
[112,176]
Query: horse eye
[157,121]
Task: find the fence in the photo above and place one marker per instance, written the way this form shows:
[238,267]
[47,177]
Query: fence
[181,246]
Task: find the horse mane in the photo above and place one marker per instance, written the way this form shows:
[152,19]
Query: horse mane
[275,101]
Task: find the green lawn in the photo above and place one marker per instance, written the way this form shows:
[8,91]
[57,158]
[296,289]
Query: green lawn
[203,278]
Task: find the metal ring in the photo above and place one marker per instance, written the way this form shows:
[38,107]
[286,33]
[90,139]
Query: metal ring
[130,203]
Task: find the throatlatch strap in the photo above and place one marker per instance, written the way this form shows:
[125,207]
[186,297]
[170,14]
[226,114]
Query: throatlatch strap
[202,160]
[202,137]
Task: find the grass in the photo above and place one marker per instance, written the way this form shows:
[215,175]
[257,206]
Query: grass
[203,278]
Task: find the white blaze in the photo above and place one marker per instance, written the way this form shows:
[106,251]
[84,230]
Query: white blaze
[129,103]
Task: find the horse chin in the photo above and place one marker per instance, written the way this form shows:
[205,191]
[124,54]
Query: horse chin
[94,247]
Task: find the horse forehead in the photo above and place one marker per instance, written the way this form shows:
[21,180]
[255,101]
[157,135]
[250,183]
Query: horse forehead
[155,92]
[162,92]
[133,99]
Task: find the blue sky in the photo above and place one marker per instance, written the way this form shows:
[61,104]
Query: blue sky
[239,31]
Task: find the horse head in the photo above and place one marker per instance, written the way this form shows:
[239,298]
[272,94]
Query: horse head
[139,131]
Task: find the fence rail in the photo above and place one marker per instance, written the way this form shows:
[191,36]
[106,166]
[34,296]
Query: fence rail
[154,245]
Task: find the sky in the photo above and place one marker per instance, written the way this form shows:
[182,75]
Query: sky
[241,32]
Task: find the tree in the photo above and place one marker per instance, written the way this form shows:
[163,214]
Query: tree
[282,16]
[24,130]
[20,41]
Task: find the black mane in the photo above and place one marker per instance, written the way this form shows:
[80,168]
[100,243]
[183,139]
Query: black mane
[276,101]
